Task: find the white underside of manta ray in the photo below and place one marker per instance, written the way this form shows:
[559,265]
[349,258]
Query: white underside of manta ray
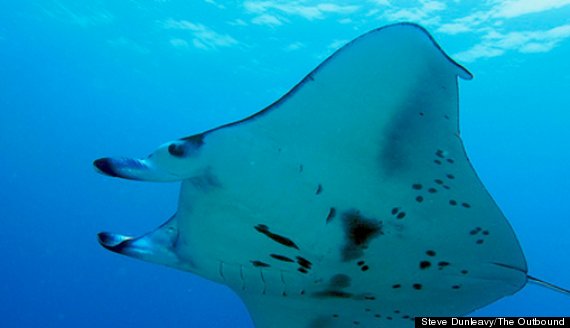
[348,202]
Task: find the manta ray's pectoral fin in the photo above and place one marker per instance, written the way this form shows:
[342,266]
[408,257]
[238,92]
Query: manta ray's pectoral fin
[158,246]
[173,161]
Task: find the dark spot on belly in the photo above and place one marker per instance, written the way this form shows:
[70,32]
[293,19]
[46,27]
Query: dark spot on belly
[262,228]
[442,264]
[332,294]
[319,189]
[259,264]
[304,262]
[339,281]
[331,215]
[359,231]
[281,258]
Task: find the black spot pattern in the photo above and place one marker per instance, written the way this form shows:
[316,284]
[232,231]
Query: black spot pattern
[281,258]
[260,264]
[332,294]
[442,264]
[475,231]
[363,266]
[441,155]
[479,234]
[319,189]
[262,228]
[303,262]
[331,215]
[425,264]
[399,214]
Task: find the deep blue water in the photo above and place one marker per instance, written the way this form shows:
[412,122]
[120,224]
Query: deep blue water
[84,79]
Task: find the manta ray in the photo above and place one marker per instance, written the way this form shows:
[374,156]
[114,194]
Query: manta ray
[349,201]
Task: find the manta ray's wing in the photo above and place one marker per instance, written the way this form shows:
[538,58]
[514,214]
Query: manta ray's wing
[349,201]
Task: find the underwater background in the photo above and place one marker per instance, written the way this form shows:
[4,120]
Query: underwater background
[80,80]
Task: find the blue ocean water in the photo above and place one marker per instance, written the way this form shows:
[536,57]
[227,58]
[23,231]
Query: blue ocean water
[81,80]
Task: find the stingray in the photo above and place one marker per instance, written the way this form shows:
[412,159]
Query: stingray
[350,201]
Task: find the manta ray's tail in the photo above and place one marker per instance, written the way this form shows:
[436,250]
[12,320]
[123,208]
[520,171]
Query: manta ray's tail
[548,285]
